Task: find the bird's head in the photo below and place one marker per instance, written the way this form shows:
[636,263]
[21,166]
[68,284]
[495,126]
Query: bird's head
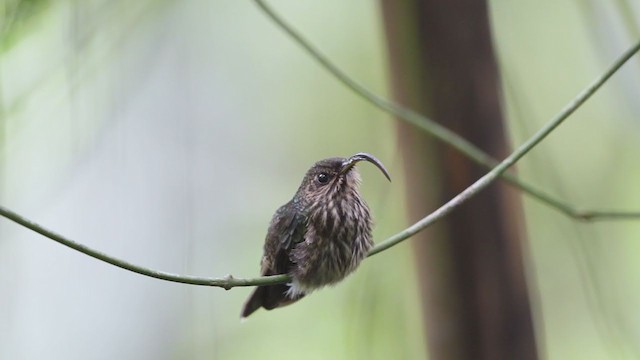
[333,176]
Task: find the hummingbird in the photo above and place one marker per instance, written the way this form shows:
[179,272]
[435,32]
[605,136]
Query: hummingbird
[318,237]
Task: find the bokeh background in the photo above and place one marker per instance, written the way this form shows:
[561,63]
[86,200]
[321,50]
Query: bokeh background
[167,133]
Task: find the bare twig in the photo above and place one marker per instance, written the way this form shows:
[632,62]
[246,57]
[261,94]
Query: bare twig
[440,132]
[227,282]
[522,150]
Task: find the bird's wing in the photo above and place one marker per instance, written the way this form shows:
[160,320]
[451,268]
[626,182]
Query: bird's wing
[287,229]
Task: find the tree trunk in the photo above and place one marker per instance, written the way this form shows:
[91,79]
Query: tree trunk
[472,277]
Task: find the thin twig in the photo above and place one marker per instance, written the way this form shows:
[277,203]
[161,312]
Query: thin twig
[522,150]
[440,132]
[227,282]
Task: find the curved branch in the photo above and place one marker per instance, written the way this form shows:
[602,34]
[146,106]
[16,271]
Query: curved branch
[442,133]
[227,282]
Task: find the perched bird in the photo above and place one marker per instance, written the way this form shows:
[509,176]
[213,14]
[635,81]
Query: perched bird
[320,236]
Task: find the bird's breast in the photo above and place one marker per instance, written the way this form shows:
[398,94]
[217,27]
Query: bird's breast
[337,239]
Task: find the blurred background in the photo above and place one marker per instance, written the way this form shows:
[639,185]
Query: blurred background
[167,133]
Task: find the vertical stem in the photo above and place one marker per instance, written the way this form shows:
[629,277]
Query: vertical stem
[472,277]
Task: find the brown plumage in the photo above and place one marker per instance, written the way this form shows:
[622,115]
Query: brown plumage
[318,237]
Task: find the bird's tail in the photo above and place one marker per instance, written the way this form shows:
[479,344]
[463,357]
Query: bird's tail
[269,297]
[254,302]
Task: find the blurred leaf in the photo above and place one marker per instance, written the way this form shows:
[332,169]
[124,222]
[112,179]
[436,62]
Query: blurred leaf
[16,17]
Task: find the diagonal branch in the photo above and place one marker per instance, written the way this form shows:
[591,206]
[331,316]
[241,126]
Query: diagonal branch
[522,150]
[442,133]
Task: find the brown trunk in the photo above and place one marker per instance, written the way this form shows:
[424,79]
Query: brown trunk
[476,303]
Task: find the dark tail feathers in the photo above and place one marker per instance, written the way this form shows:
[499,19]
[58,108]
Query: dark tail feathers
[268,297]
[254,302]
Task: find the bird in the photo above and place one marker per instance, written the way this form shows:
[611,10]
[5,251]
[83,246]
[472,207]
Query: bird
[320,236]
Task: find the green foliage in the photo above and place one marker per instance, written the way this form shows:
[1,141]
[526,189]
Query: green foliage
[17,17]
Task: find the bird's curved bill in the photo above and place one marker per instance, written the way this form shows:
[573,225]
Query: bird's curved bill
[353,160]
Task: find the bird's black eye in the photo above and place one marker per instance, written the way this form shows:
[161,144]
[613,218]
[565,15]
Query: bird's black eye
[323,178]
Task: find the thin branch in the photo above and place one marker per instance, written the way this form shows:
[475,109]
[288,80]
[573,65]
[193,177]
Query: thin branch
[522,150]
[227,282]
[442,133]
[230,282]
